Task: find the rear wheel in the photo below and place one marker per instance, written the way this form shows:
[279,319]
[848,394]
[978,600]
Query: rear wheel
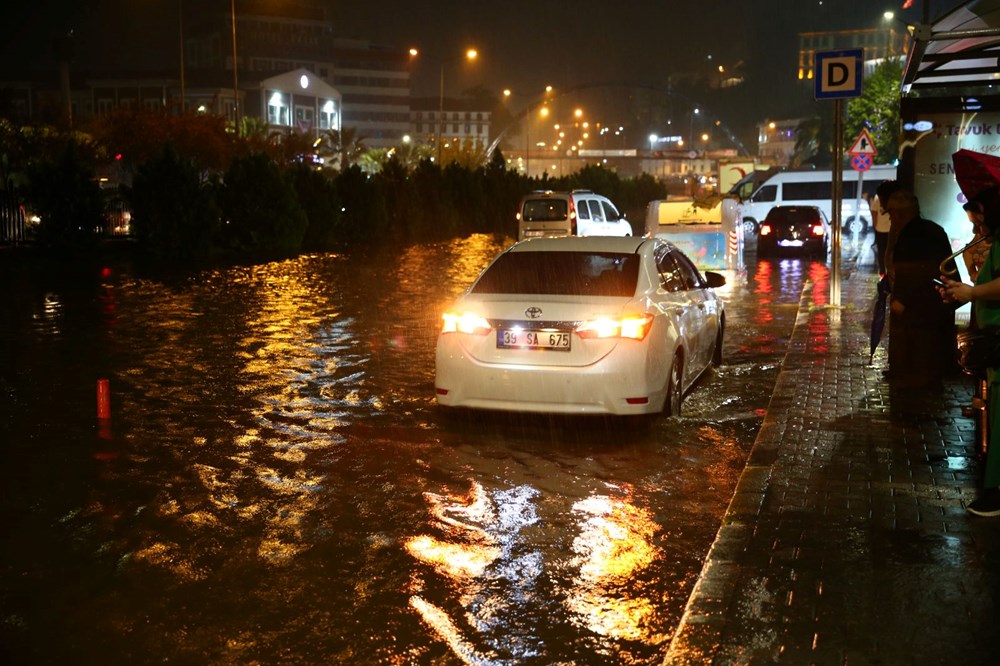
[675,390]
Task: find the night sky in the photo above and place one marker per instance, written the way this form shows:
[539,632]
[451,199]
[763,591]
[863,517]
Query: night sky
[523,44]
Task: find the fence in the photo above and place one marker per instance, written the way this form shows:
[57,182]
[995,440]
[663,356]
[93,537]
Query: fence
[117,214]
[11,219]
[16,223]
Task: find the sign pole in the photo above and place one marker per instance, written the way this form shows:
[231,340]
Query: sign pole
[857,198]
[838,75]
[838,175]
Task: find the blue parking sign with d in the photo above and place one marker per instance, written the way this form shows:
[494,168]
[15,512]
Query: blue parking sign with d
[839,73]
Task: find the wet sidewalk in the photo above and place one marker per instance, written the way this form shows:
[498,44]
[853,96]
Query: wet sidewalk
[847,540]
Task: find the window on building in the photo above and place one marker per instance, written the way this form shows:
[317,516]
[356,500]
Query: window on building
[303,116]
[277,110]
[328,115]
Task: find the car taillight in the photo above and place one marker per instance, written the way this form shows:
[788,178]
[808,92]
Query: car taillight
[634,327]
[818,230]
[464,323]
[765,229]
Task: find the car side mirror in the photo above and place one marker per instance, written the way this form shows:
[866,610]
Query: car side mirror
[713,279]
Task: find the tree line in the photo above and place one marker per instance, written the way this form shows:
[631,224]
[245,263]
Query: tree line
[198,190]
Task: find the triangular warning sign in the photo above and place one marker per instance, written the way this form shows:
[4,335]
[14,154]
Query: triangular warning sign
[863,145]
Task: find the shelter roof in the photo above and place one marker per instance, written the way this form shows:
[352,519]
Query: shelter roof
[961,48]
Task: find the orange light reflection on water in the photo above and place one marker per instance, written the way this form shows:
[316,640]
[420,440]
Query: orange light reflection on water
[613,546]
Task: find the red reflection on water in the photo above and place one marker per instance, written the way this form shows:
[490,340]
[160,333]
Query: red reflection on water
[819,322]
[819,276]
[765,293]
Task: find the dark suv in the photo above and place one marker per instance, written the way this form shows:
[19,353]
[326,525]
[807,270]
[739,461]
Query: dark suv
[794,229]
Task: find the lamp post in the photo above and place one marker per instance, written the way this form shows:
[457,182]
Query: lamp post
[236,93]
[528,117]
[544,112]
[470,55]
[180,31]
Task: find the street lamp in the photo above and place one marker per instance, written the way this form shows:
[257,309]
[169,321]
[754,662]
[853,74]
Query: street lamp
[180,30]
[543,112]
[236,93]
[470,55]
[695,112]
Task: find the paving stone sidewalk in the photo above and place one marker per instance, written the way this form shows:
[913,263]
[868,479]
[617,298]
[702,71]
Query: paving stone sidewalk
[847,541]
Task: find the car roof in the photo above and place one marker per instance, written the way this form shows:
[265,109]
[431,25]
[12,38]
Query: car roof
[796,207]
[553,194]
[620,244]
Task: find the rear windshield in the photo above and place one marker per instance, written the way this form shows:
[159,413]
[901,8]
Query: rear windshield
[561,273]
[792,216]
[544,210]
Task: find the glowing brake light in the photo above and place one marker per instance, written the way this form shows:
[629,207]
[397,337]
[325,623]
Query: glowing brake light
[818,230]
[464,323]
[634,327]
[765,229]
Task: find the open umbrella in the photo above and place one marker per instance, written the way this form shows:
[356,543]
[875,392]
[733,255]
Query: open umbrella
[878,314]
[975,172]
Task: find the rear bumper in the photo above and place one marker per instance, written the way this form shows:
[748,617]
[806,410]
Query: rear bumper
[616,385]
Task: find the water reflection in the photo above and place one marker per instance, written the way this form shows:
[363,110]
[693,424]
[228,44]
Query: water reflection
[614,545]
[276,471]
[477,552]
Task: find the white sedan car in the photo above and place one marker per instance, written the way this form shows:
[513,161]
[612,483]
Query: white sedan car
[581,325]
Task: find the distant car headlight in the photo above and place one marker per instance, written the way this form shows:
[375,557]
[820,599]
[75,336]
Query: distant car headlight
[634,327]
[464,323]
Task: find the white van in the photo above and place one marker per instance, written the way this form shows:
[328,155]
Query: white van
[577,213]
[813,188]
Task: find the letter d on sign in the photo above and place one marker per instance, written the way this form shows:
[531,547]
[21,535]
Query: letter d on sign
[838,74]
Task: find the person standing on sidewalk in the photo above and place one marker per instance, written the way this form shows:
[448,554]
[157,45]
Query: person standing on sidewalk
[921,324]
[880,220]
[976,254]
[985,298]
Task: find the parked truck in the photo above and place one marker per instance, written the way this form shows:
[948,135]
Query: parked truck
[707,230]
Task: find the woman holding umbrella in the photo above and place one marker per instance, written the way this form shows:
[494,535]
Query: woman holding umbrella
[985,298]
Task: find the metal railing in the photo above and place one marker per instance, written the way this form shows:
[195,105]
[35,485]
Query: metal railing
[11,219]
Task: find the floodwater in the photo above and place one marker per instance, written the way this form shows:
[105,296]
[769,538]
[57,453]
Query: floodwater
[275,484]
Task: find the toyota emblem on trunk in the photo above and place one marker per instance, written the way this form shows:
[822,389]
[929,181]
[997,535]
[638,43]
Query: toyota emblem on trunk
[533,313]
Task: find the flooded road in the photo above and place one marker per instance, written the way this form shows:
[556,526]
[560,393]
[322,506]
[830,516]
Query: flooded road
[275,484]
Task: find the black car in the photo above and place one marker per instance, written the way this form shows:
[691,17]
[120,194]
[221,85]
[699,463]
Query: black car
[794,230]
